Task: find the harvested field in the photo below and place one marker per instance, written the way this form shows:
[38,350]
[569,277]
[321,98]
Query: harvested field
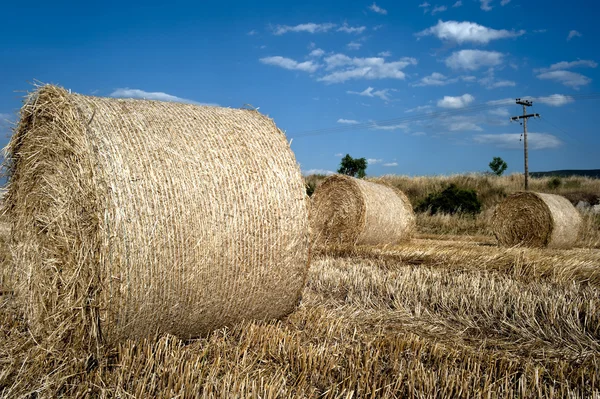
[448,314]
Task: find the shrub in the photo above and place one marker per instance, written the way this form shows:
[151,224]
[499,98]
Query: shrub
[451,200]
[554,183]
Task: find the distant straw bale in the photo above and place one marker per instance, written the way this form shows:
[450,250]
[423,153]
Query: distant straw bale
[348,211]
[536,220]
[133,217]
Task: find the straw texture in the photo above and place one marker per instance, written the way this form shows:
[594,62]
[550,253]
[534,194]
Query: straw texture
[536,220]
[348,211]
[132,217]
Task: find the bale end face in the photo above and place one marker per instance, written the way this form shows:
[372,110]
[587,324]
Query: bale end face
[536,220]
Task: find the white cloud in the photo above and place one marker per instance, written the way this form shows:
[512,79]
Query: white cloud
[157,95]
[419,108]
[425,6]
[345,68]
[308,27]
[317,53]
[504,2]
[573,34]
[375,8]
[372,161]
[438,9]
[252,32]
[418,134]
[490,81]
[567,78]
[402,126]
[339,155]
[463,32]
[353,46]
[568,65]
[536,141]
[318,172]
[503,112]
[371,92]
[385,54]
[462,123]
[485,5]
[457,4]
[455,102]
[472,60]
[555,100]
[389,164]
[350,29]
[435,79]
[288,63]
[348,121]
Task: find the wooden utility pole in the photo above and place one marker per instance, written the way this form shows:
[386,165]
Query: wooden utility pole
[525,104]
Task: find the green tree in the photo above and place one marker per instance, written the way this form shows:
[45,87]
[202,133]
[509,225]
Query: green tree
[354,167]
[498,166]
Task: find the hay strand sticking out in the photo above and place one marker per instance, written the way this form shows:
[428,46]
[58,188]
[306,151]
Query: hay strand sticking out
[134,217]
[348,211]
[536,220]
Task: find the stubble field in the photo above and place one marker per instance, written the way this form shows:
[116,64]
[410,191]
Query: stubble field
[448,314]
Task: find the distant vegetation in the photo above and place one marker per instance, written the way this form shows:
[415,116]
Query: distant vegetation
[567,173]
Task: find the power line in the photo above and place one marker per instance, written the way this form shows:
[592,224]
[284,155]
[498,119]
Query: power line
[387,123]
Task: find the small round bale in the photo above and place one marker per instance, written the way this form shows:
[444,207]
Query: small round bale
[349,211]
[133,217]
[536,220]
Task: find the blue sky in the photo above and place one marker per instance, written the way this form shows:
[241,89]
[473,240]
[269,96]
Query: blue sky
[417,87]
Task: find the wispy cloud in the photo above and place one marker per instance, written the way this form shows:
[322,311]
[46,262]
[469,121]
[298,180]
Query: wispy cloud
[385,54]
[536,141]
[390,164]
[554,100]
[504,2]
[288,63]
[372,161]
[402,126]
[308,27]
[343,68]
[156,95]
[252,32]
[438,9]
[490,82]
[425,6]
[420,108]
[573,34]
[353,46]
[467,32]
[455,102]
[318,172]
[472,60]
[457,4]
[350,29]
[485,5]
[347,121]
[435,79]
[375,8]
[317,53]
[568,65]
[371,92]
[567,78]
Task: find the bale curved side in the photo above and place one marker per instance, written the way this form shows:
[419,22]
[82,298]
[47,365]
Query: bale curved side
[132,217]
[352,211]
[536,220]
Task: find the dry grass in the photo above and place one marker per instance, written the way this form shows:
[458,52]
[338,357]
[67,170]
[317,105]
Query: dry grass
[422,319]
[450,315]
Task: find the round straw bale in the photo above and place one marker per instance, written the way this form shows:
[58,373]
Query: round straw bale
[133,217]
[348,211]
[536,220]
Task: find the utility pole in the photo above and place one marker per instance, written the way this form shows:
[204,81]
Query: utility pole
[525,116]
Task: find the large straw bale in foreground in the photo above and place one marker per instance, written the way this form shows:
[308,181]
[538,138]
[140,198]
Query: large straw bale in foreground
[347,211]
[536,220]
[131,217]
